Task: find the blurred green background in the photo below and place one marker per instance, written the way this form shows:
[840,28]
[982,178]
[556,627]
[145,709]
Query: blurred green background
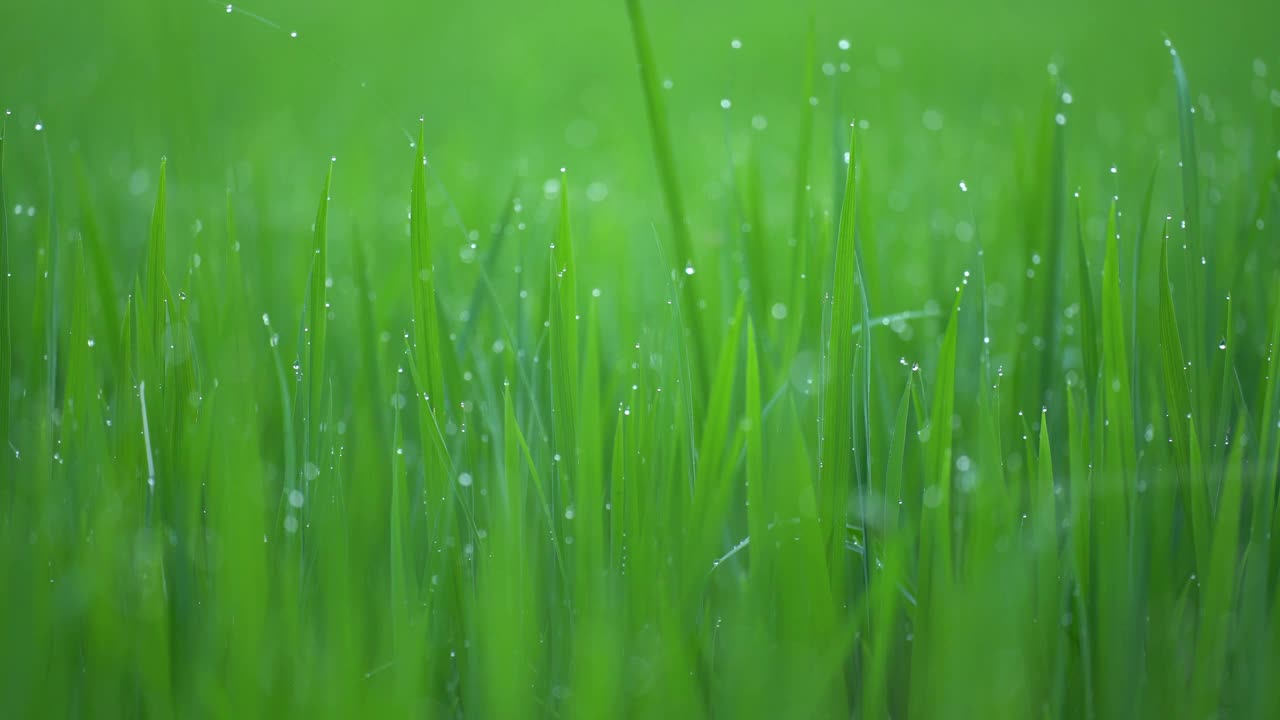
[514,89]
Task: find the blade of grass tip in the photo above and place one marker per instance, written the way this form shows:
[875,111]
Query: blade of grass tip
[897,450]
[837,445]
[1219,590]
[426,361]
[938,467]
[563,325]
[1054,252]
[426,331]
[488,267]
[664,155]
[1048,593]
[315,332]
[1190,164]
[1178,402]
[1116,623]
[1088,316]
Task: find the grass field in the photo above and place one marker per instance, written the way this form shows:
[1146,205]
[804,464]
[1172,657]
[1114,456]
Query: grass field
[639,359]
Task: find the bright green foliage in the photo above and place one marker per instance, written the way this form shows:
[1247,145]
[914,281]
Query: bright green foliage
[760,416]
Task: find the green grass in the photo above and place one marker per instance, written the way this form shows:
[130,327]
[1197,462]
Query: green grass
[669,394]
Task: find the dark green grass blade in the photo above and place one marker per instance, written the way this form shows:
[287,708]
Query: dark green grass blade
[1197,240]
[6,331]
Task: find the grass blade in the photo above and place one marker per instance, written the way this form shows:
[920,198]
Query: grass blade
[664,155]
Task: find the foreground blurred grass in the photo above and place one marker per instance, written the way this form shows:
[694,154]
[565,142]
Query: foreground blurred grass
[486,437]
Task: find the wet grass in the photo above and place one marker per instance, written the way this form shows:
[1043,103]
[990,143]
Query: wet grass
[760,441]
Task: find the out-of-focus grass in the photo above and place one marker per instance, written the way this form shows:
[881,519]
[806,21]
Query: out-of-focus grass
[715,413]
